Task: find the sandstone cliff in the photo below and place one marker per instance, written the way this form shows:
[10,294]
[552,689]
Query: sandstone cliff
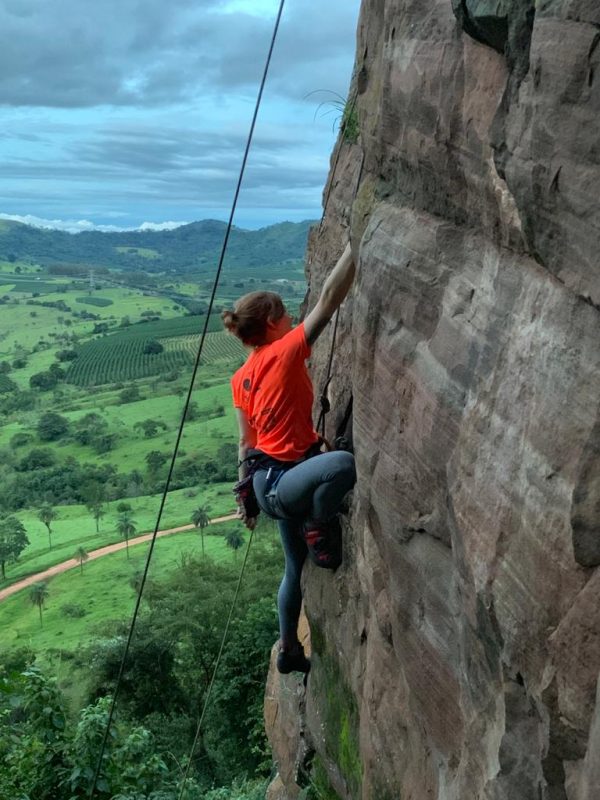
[456,653]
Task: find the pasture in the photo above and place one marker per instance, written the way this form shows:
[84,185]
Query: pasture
[75,527]
[107,363]
[103,590]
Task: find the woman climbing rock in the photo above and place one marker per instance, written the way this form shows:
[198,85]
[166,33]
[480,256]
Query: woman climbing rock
[280,452]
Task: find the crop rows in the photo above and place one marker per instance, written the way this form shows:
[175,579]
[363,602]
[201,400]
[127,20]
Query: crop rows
[217,347]
[168,328]
[118,358]
[102,361]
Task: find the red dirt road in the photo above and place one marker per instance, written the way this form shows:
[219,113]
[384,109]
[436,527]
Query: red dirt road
[101,551]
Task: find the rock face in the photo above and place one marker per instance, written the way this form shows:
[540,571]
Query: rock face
[456,653]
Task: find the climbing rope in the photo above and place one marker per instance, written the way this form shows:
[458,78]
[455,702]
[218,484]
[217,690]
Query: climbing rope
[180,434]
[324,399]
[214,673]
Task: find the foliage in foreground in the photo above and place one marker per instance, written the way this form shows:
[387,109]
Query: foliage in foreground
[49,754]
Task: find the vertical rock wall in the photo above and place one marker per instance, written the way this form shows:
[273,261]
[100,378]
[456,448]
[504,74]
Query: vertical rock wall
[456,653]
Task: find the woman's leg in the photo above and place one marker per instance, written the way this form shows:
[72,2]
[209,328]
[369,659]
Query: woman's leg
[289,599]
[314,490]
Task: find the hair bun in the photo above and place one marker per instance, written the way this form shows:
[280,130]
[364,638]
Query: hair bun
[230,320]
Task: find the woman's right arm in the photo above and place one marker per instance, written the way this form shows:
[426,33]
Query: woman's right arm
[335,289]
[247,441]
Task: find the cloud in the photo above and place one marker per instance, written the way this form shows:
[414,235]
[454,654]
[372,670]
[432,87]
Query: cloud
[152,52]
[79,225]
[123,112]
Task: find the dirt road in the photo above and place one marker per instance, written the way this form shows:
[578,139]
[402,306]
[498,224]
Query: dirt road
[101,551]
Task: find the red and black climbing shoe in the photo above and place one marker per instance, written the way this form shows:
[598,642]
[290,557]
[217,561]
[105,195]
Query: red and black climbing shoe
[324,542]
[292,661]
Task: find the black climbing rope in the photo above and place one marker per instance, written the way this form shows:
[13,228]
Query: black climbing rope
[180,432]
[215,669]
[324,399]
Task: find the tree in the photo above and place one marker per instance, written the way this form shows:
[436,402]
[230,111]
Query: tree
[44,381]
[38,595]
[129,394]
[235,540]
[155,460]
[81,555]
[201,519]
[94,496]
[52,426]
[47,515]
[13,540]
[89,427]
[20,440]
[38,458]
[97,511]
[193,412]
[153,347]
[66,355]
[104,443]
[150,427]
[126,528]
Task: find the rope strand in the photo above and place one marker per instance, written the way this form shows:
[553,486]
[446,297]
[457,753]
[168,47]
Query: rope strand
[187,401]
[216,667]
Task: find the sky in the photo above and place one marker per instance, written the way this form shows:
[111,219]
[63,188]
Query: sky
[122,114]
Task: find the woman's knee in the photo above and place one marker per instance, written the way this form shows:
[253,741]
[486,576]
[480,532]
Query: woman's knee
[345,468]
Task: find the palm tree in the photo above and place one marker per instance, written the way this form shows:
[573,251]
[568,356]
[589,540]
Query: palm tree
[235,540]
[47,514]
[38,596]
[81,555]
[201,519]
[126,528]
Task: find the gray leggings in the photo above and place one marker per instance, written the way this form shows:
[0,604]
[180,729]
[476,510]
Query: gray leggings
[312,491]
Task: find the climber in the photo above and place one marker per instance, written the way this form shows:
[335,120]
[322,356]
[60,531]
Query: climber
[280,452]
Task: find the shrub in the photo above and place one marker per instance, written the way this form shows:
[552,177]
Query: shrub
[130,394]
[38,458]
[73,611]
[20,440]
[52,426]
[153,347]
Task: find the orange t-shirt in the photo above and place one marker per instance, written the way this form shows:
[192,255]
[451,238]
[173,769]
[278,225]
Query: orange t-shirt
[275,392]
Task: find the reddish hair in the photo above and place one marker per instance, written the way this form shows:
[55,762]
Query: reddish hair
[249,318]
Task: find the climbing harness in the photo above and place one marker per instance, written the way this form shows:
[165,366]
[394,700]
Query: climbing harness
[176,450]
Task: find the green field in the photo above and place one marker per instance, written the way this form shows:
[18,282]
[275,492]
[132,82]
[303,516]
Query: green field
[103,590]
[33,333]
[111,351]
[144,252]
[75,528]
[123,356]
[94,300]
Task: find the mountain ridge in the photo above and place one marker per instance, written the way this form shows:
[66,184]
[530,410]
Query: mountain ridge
[194,246]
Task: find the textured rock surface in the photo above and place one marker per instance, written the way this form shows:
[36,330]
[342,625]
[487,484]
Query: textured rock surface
[457,650]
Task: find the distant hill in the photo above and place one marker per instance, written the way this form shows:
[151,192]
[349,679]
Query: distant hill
[189,247]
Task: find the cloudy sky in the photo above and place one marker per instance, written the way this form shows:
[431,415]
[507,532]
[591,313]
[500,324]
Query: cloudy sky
[124,112]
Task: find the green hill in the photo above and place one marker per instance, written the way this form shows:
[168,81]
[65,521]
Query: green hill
[189,247]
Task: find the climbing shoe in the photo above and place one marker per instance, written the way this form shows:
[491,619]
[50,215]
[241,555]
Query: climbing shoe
[324,542]
[292,661]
